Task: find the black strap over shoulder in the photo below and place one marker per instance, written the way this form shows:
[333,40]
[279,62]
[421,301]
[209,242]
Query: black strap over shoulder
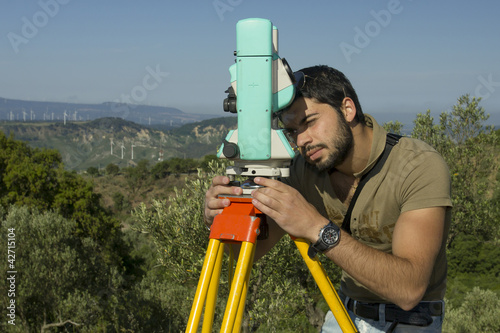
[391,141]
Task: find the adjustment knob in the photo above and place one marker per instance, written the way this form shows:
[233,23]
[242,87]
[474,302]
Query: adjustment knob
[230,149]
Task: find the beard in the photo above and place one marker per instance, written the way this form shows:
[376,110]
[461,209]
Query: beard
[339,146]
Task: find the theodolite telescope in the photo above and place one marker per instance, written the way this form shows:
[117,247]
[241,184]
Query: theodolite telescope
[262,83]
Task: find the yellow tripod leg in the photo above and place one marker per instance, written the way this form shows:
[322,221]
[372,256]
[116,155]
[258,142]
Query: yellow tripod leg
[326,288]
[241,304]
[237,292]
[203,284]
[208,317]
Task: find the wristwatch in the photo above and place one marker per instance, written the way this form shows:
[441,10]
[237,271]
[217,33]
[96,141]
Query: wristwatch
[329,236]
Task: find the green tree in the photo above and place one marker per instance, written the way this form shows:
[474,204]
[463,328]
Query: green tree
[112,169]
[395,127]
[137,176]
[480,312]
[54,267]
[93,171]
[64,282]
[36,178]
[207,159]
[160,170]
[469,147]
[118,201]
[28,176]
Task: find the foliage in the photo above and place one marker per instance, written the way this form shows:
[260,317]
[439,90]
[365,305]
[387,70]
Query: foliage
[36,178]
[470,149]
[119,201]
[480,312]
[112,169]
[57,270]
[64,280]
[472,263]
[395,127]
[470,255]
[207,160]
[93,171]
[181,240]
[136,176]
[77,266]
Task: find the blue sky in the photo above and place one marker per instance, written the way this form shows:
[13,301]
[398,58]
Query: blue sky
[403,56]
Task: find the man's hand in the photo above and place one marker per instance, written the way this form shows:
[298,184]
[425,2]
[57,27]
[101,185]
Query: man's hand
[214,205]
[288,208]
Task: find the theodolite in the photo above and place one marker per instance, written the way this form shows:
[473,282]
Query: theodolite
[261,85]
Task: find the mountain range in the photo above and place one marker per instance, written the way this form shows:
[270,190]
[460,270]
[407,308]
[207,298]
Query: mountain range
[96,143]
[21,110]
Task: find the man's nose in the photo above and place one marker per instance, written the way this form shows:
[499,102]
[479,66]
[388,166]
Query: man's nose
[303,138]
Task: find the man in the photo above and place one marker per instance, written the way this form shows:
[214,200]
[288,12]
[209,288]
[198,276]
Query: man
[393,254]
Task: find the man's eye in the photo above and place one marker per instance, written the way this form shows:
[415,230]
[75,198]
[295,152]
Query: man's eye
[311,122]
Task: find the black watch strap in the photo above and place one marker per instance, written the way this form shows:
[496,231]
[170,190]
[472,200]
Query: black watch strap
[329,236]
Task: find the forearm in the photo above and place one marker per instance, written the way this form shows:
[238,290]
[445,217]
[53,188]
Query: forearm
[397,279]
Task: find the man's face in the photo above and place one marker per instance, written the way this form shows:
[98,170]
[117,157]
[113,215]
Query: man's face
[321,133]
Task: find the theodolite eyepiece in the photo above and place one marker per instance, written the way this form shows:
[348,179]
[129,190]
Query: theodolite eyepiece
[230,101]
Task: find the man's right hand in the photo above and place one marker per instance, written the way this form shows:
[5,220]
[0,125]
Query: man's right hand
[214,205]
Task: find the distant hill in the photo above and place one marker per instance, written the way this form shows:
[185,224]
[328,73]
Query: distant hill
[20,110]
[99,142]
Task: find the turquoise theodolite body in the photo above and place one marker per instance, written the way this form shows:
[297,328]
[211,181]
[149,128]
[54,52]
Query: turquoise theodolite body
[261,84]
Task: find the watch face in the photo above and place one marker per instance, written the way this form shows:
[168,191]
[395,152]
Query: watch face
[330,236]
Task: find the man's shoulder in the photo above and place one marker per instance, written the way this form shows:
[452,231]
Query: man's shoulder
[411,145]
[411,154]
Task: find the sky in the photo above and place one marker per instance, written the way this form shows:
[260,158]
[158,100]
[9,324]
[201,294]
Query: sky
[402,56]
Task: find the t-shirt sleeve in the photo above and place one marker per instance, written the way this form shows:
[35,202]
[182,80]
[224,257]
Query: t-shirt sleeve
[427,182]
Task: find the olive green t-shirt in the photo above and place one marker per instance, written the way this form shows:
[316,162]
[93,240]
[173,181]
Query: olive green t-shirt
[413,177]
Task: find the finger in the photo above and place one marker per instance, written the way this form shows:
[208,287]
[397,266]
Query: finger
[267,182]
[211,214]
[214,204]
[220,180]
[226,190]
[266,202]
[220,186]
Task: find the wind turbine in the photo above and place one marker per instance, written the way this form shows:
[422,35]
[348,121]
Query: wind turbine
[112,144]
[65,115]
[123,148]
[24,115]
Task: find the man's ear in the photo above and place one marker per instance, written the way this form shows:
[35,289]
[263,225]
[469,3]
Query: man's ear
[349,109]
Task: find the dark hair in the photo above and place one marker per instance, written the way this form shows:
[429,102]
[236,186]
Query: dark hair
[330,86]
